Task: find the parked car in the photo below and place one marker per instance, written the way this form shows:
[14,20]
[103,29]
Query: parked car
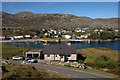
[17,58]
[5,62]
[33,60]
[28,58]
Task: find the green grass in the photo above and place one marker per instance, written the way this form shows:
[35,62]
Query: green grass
[101,58]
[26,71]
[97,52]
[12,50]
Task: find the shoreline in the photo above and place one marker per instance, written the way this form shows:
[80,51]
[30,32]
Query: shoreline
[56,40]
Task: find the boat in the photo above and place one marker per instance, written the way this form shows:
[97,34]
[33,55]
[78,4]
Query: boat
[45,44]
[35,42]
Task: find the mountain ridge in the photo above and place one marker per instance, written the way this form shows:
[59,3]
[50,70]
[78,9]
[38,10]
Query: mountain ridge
[54,20]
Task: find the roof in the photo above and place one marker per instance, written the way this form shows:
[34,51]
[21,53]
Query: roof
[34,50]
[60,49]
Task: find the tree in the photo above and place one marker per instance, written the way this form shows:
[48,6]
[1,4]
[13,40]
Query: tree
[93,36]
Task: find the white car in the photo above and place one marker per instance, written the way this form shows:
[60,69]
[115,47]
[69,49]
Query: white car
[17,58]
[32,60]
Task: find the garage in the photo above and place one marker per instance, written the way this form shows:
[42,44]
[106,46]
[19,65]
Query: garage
[34,53]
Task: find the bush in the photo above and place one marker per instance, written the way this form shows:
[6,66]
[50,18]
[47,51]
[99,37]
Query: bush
[114,71]
[101,58]
[92,64]
[110,65]
[80,61]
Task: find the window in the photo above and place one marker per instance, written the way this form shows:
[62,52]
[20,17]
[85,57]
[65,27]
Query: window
[48,55]
[56,56]
[61,56]
[69,55]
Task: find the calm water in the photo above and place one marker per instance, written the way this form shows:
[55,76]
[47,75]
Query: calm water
[112,45]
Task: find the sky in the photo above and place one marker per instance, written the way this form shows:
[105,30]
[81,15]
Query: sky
[88,9]
[60,0]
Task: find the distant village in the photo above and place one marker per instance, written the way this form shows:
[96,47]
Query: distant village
[71,33]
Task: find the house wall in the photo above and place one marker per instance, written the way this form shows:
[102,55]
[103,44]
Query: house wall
[73,57]
[53,57]
[49,58]
[58,58]
[63,59]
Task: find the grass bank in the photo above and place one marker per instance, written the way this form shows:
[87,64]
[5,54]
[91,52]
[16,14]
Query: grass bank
[12,50]
[101,58]
[18,71]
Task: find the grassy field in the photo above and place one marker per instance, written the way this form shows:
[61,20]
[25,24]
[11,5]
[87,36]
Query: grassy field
[101,58]
[19,71]
[97,52]
[12,51]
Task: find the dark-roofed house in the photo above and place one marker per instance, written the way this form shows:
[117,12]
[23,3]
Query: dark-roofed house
[60,52]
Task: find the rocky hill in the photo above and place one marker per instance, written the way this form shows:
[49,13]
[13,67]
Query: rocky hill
[34,20]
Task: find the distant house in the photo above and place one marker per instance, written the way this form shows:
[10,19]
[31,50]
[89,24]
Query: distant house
[2,37]
[27,36]
[101,30]
[60,53]
[34,53]
[18,37]
[12,38]
[84,36]
[116,30]
[67,36]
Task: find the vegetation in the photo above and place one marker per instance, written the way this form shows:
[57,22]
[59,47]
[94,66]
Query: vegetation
[18,71]
[103,35]
[101,58]
[95,57]
[9,51]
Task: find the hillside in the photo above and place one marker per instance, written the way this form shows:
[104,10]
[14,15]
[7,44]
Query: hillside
[98,52]
[34,20]
[101,58]
[20,72]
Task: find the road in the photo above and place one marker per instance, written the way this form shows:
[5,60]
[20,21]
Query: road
[76,74]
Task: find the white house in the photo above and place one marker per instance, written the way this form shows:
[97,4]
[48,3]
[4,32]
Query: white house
[2,37]
[27,36]
[116,30]
[67,36]
[46,34]
[78,30]
[83,31]
[84,36]
[96,30]
[101,30]
[18,37]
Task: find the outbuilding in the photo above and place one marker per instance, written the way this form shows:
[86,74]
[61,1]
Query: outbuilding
[37,53]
